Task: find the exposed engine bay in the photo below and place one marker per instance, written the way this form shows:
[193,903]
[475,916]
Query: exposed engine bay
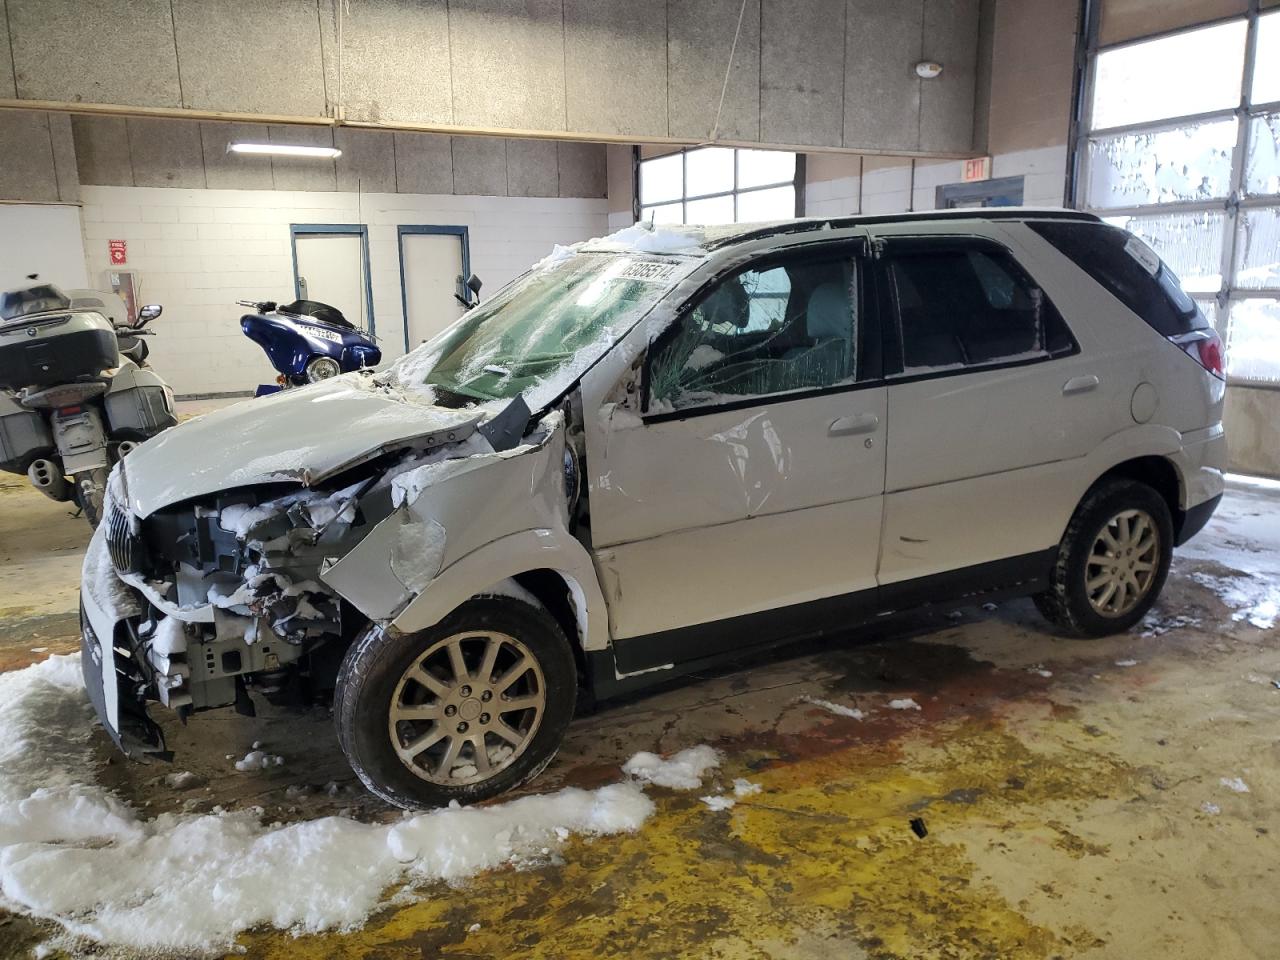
[233,587]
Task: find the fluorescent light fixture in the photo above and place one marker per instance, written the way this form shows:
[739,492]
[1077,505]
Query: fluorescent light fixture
[284,150]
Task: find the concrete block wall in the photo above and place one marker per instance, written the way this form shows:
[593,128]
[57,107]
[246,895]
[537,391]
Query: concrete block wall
[164,152]
[815,73]
[197,251]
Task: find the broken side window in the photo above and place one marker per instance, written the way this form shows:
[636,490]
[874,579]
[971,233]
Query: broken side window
[763,331]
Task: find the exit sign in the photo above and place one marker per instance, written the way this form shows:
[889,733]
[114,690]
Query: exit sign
[977,168]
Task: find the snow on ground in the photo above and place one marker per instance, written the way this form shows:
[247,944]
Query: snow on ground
[72,853]
[258,760]
[681,771]
[1238,540]
[1250,596]
[906,703]
[837,708]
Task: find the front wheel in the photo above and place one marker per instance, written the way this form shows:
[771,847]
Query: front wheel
[322,368]
[1112,561]
[464,710]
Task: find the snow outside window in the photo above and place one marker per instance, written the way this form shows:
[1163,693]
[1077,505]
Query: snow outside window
[714,185]
[763,331]
[1258,249]
[1262,161]
[1162,166]
[1253,344]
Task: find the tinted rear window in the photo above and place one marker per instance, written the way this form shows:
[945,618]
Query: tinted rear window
[1099,250]
[966,305]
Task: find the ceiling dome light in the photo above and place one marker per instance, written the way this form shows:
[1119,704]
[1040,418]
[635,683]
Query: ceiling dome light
[928,69]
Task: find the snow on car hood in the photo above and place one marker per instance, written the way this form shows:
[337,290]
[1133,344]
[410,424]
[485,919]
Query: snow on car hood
[302,435]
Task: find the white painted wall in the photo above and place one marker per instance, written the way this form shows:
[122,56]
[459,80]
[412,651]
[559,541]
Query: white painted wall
[198,251]
[41,238]
[886,189]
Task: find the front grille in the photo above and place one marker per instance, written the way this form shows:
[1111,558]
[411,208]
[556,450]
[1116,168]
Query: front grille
[124,546]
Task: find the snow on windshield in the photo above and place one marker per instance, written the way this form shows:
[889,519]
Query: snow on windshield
[541,331]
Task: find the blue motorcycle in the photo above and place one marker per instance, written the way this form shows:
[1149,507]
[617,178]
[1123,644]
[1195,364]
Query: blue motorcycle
[306,341]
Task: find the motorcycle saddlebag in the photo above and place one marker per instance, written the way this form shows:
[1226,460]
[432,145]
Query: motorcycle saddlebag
[139,402]
[24,436]
[52,348]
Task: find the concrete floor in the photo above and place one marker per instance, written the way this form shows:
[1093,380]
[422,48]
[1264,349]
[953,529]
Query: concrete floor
[1069,799]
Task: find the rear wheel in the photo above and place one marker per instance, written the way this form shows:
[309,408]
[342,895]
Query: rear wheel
[1112,562]
[91,486]
[465,710]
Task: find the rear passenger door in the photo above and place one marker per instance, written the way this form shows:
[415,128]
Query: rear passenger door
[984,383]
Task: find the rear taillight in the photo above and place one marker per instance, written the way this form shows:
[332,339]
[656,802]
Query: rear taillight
[1205,348]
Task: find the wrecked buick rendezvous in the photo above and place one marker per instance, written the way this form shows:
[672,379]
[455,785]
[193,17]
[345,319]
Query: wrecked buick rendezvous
[649,453]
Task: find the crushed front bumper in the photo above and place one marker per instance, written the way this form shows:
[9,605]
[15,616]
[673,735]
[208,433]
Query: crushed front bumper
[115,682]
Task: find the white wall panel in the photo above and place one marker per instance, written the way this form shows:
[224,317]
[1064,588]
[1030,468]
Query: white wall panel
[198,251]
[43,239]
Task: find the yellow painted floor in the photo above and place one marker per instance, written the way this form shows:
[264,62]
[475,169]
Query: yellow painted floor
[1067,815]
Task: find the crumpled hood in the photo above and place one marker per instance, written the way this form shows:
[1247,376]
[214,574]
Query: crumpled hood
[302,435]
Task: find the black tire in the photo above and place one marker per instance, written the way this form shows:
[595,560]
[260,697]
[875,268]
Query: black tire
[372,671]
[1066,603]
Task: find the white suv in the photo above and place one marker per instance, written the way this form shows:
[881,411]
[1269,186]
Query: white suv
[655,450]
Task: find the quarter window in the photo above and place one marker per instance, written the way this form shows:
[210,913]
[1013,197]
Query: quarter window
[961,307]
[764,331]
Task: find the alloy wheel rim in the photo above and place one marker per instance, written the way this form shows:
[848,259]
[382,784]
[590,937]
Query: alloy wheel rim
[322,368]
[467,708]
[1122,563]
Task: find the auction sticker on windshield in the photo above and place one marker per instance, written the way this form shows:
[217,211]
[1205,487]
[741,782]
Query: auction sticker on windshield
[647,271]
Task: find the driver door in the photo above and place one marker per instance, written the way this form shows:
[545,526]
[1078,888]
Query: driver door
[744,501]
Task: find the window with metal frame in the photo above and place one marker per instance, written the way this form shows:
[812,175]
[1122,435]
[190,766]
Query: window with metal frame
[1182,147]
[707,185]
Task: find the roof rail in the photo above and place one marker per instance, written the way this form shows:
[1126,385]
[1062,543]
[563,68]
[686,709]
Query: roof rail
[856,220]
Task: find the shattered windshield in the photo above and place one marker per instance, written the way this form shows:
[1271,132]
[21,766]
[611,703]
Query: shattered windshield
[544,328]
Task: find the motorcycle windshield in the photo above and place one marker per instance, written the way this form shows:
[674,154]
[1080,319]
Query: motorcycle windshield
[541,331]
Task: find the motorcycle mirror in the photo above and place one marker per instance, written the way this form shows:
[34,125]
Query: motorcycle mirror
[148,313]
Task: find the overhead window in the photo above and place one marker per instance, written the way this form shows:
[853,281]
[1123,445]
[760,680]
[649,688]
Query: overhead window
[962,307]
[764,331]
[710,185]
[1168,116]
[1193,71]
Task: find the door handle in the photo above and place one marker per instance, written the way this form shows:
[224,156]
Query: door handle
[848,426]
[1079,385]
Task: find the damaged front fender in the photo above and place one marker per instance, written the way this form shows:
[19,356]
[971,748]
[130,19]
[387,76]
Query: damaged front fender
[449,537]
